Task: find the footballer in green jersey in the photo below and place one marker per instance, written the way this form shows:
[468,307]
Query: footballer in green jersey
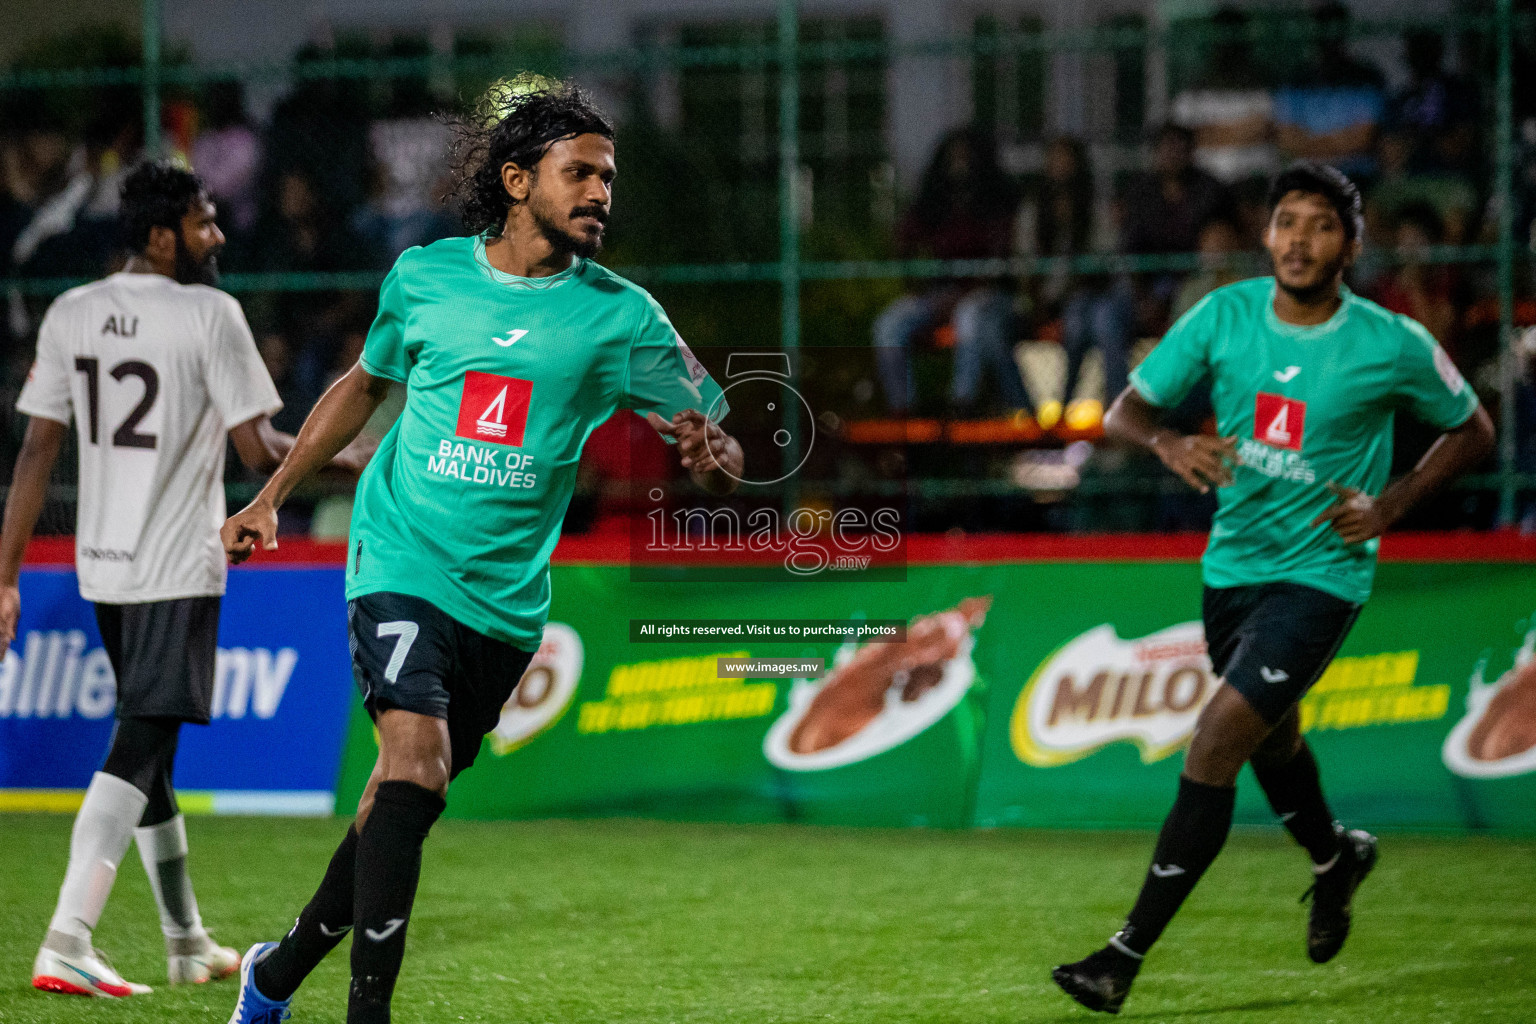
[512,346]
[1306,379]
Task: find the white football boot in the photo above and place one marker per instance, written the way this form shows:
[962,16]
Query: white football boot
[79,973]
[198,960]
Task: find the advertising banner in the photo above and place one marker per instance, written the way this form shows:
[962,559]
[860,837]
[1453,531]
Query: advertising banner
[281,697]
[606,726]
[1052,694]
[1057,692]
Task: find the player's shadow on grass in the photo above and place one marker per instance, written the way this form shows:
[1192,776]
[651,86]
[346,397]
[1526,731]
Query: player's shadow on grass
[1205,1011]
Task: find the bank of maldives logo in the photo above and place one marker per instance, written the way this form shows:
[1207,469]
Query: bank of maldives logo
[494,408]
[1279,421]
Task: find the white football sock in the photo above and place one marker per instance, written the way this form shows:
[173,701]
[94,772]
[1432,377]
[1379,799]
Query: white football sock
[163,849]
[103,830]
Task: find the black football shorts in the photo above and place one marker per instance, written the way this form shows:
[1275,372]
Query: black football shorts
[408,654]
[163,654]
[1270,642]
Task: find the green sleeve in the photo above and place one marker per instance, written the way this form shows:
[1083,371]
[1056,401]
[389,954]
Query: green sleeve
[1428,383]
[1179,361]
[663,375]
[384,352]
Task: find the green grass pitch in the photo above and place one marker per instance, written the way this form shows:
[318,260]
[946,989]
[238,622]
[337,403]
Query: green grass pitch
[619,921]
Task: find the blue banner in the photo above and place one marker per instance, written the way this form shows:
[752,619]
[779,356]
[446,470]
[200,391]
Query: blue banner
[281,696]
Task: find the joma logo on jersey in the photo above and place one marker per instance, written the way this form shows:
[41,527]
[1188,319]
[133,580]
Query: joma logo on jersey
[494,408]
[1279,421]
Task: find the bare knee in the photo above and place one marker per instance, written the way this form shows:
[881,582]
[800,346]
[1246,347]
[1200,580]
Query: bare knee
[412,748]
[1226,736]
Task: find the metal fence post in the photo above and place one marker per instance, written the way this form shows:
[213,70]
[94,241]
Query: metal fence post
[1504,189]
[789,207]
[150,82]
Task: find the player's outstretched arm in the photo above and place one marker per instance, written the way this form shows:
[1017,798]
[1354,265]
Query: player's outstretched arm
[334,422]
[262,447]
[711,456]
[1357,517]
[24,503]
[1200,461]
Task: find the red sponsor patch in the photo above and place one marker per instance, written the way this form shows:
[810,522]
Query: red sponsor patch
[1279,422]
[494,408]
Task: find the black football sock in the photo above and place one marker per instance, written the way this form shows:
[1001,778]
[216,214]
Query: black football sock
[1192,836]
[319,928]
[388,868]
[1296,794]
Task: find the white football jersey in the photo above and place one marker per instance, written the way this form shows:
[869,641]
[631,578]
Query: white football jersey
[154,374]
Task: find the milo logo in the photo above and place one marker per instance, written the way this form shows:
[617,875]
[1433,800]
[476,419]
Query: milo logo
[1098,689]
[545,691]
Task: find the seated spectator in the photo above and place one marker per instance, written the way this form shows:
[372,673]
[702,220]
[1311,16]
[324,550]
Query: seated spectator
[227,155]
[397,216]
[1437,111]
[1220,239]
[1452,196]
[282,366]
[1333,111]
[1230,108]
[34,155]
[299,233]
[320,131]
[1429,294]
[408,151]
[964,209]
[1163,213]
[1165,209]
[1097,310]
[74,232]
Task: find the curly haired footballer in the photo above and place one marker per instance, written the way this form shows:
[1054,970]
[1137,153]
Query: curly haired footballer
[516,121]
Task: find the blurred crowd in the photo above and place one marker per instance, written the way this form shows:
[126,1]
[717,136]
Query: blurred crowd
[1421,154]
[320,186]
[342,175]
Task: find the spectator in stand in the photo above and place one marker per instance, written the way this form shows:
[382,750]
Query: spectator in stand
[1437,111]
[964,209]
[408,157]
[1097,309]
[1231,109]
[1333,110]
[227,156]
[1451,195]
[282,366]
[1221,239]
[1165,209]
[1429,294]
[34,155]
[320,131]
[1163,213]
[74,233]
[298,232]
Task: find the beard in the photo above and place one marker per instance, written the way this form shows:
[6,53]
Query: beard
[196,271]
[1326,285]
[563,241]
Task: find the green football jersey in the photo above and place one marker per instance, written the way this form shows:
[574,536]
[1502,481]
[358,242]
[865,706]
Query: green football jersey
[1308,406]
[505,379]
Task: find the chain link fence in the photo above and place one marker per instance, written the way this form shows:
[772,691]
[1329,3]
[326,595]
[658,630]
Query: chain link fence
[772,165]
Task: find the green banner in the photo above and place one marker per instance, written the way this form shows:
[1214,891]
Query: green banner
[1039,694]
